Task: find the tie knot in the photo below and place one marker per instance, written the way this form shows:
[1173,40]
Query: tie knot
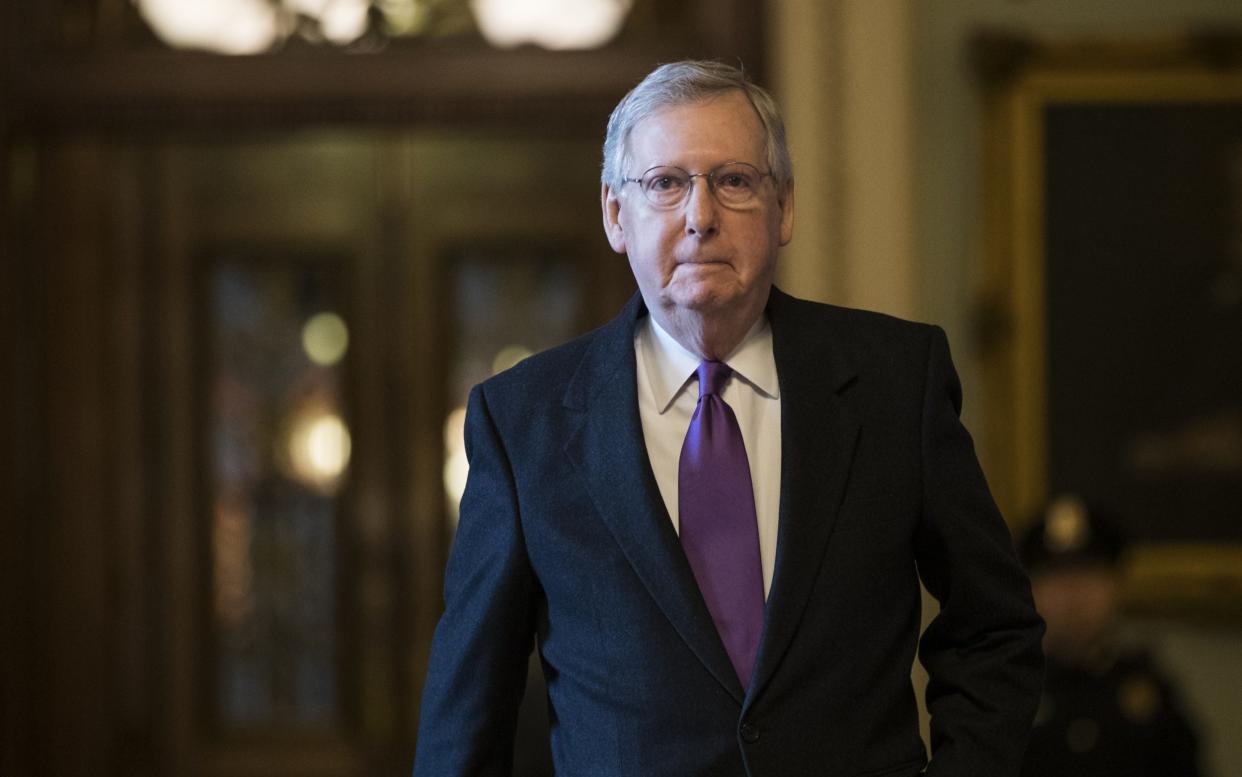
[712,377]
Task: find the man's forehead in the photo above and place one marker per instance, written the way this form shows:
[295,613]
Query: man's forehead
[725,117]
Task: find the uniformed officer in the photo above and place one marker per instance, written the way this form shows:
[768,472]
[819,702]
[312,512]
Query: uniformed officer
[1106,711]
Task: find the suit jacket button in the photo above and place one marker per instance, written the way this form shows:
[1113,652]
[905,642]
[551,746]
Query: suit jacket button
[750,733]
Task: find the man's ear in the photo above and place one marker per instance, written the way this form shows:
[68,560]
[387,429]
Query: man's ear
[611,206]
[787,213]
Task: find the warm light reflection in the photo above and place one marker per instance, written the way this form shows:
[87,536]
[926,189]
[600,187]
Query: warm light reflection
[403,17]
[252,26]
[344,21]
[508,356]
[552,24]
[325,338]
[232,574]
[340,21]
[223,26]
[456,467]
[255,26]
[318,450]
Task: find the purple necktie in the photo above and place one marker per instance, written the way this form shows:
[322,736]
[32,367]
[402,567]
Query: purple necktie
[719,532]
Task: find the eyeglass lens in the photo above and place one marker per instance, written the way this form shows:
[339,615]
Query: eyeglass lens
[735,183]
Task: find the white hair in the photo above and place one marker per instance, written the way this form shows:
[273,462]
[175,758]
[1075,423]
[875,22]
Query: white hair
[690,81]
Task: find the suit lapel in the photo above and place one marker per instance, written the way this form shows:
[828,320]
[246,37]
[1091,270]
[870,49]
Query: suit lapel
[607,448]
[818,433]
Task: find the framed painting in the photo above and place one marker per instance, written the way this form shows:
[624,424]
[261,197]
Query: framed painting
[1113,300]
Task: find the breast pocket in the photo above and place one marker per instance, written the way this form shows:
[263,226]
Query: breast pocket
[871,542]
[873,512]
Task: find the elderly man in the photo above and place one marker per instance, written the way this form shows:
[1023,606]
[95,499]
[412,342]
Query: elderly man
[712,514]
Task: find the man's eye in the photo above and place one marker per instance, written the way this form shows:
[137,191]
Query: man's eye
[734,181]
[664,183]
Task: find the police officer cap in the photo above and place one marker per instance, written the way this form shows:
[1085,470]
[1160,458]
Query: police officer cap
[1070,532]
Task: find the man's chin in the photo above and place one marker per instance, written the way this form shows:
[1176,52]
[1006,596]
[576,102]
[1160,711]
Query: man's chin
[704,297]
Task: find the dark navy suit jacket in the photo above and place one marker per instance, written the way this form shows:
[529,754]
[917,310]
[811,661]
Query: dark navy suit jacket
[564,541]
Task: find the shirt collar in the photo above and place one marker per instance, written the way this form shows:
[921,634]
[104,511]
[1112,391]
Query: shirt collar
[670,366]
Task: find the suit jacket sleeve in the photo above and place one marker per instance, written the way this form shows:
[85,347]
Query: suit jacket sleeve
[982,651]
[479,654]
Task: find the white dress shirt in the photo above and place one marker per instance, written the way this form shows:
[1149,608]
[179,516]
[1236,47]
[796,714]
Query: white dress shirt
[667,395]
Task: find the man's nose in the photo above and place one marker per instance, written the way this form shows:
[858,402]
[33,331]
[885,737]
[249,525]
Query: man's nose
[701,208]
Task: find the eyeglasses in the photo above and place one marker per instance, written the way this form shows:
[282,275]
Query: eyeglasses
[735,184]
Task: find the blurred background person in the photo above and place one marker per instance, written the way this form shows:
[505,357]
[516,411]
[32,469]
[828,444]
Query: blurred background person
[1107,710]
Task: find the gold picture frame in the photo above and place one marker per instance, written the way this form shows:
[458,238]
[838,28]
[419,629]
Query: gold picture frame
[1021,80]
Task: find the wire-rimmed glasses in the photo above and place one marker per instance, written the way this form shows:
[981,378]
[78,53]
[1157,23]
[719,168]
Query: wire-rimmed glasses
[734,184]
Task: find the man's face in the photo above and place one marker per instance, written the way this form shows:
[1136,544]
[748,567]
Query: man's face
[1079,606]
[699,256]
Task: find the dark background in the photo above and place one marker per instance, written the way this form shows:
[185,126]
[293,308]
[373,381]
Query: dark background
[1144,311]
